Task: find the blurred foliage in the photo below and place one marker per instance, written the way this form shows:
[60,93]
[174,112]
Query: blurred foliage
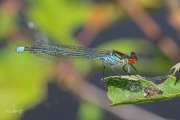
[7,23]
[152,4]
[22,80]
[88,111]
[23,76]
[123,91]
[60,18]
[80,66]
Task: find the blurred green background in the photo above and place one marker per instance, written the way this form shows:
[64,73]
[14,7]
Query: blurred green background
[149,28]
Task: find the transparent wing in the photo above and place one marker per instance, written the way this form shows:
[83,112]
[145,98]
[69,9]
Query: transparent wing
[51,50]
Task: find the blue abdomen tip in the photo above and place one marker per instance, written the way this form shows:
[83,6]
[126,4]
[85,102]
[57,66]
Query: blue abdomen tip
[20,49]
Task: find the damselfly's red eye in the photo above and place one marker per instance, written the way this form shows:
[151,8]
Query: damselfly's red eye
[132,60]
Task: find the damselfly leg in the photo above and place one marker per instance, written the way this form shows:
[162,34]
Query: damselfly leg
[124,68]
[134,68]
[128,71]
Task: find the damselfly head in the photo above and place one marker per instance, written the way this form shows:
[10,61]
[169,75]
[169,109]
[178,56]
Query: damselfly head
[133,58]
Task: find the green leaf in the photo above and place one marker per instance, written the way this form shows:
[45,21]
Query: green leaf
[123,90]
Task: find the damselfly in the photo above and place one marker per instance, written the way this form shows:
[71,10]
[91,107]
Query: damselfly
[51,50]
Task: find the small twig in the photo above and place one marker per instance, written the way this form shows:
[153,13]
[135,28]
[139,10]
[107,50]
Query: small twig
[176,68]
